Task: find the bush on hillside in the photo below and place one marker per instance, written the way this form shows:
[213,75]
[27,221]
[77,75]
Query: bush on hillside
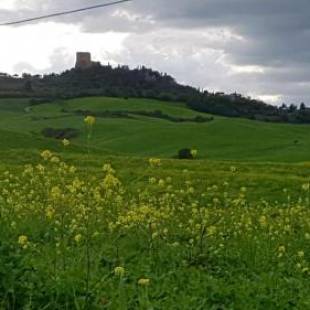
[185,153]
[64,133]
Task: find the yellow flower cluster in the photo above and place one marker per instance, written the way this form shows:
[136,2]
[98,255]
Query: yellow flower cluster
[154,162]
[46,155]
[65,142]
[119,271]
[23,241]
[90,121]
[144,282]
[194,153]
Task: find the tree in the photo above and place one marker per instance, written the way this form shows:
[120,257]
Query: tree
[302,107]
[292,108]
[28,86]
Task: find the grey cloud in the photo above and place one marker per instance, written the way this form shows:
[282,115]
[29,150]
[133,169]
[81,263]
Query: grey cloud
[24,67]
[177,36]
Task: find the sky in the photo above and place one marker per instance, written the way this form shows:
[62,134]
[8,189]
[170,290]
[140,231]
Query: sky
[259,48]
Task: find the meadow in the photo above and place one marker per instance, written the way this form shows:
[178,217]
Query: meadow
[220,139]
[111,220]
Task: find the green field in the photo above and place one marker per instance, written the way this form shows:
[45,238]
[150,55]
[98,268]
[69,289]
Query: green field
[221,139]
[97,225]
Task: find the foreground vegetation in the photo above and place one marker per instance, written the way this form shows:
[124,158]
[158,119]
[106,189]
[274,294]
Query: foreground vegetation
[76,239]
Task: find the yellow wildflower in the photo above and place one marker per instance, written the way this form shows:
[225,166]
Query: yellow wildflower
[233,169]
[152,180]
[119,271]
[65,142]
[55,192]
[55,160]
[40,168]
[161,183]
[96,234]
[281,249]
[110,181]
[301,254]
[211,230]
[78,238]
[108,168]
[144,282]
[46,154]
[263,220]
[154,162]
[50,212]
[90,120]
[23,241]
[194,153]
[72,169]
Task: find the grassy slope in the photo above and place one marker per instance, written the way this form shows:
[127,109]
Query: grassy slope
[246,144]
[222,139]
[250,144]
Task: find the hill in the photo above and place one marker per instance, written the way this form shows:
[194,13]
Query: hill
[144,127]
[141,82]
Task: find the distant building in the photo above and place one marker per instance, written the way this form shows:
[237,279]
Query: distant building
[83,61]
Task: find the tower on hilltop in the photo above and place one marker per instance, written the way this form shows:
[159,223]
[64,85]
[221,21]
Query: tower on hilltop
[83,60]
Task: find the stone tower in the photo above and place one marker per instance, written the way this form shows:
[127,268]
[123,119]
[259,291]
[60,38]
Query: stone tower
[83,60]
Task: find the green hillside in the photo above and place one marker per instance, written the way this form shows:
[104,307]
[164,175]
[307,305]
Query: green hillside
[220,139]
[105,227]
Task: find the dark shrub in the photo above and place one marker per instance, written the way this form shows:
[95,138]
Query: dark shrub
[37,101]
[185,154]
[201,119]
[65,133]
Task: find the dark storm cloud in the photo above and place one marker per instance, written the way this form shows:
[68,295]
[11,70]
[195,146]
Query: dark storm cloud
[200,41]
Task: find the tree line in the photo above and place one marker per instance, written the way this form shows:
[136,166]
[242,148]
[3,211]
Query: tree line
[142,82]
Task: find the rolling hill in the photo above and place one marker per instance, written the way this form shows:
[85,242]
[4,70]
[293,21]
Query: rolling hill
[122,129]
